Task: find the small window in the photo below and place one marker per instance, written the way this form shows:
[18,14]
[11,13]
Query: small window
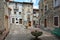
[41,9]
[14,12]
[19,12]
[16,19]
[55,2]
[16,22]
[46,7]
[34,12]
[13,20]
[29,23]
[28,5]
[28,11]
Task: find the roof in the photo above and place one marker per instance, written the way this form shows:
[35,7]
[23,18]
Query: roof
[27,3]
[35,9]
[21,2]
[14,2]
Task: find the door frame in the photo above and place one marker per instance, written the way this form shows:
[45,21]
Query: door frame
[58,20]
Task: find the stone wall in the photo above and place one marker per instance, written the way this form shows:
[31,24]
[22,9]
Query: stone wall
[3,12]
[28,10]
[1,15]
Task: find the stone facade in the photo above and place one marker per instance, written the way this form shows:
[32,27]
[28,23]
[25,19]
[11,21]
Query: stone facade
[3,15]
[35,16]
[49,15]
[23,11]
[28,13]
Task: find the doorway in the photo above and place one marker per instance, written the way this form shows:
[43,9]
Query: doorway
[45,23]
[29,23]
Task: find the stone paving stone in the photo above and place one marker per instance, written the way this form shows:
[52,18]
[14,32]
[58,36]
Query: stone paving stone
[16,33]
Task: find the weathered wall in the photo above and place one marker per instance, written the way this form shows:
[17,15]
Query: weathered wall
[1,14]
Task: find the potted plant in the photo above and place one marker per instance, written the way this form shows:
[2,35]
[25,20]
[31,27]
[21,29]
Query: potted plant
[36,33]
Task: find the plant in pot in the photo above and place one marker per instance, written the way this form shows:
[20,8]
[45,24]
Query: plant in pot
[36,33]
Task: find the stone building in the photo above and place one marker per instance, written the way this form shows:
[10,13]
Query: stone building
[35,17]
[28,13]
[21,13]
[56,18]
[49,13]
[3,15]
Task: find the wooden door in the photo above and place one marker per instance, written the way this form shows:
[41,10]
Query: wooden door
[45,23]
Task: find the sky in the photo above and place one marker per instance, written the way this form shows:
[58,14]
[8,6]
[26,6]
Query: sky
[35,2]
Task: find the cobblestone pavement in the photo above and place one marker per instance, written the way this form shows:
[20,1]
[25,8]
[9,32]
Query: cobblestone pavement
[18,33]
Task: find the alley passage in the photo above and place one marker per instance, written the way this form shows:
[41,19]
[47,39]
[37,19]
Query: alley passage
[18,32]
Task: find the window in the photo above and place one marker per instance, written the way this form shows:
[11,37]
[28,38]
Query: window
[29,23]
[46,7]
[28,11]
[20,21]
[14,12]
[9,10]
[16,22]
[56,3]
[56,21]
[28,5]
[20,13]
[22,9]
[33,22]
[28,17]
[34,12]
[41,9]
[16,19]
[13,20]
